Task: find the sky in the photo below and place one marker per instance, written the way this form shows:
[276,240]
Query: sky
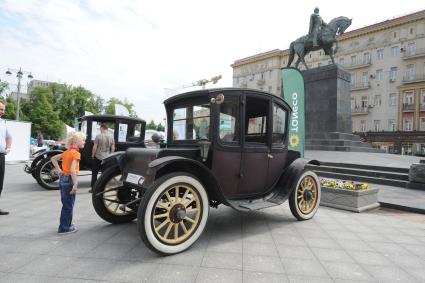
[135,49]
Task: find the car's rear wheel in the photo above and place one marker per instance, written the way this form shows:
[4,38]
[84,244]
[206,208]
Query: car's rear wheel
[305,198]
[173,213]
[110,195]
[46,175]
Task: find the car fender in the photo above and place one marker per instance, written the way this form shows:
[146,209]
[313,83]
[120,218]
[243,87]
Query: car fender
[289,179]
[43,155]
[168,164]
[115,158]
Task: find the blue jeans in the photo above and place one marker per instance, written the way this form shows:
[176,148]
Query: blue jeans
[65,186]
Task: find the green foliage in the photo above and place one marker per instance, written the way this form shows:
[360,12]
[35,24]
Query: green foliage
[151,125]
[3,87]
[42,114]
[110,106]
[11,109]
[160,128]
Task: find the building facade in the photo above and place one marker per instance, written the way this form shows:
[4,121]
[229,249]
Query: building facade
[386,62]
[37,83]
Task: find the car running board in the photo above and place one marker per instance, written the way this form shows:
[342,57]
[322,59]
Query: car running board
[252,204]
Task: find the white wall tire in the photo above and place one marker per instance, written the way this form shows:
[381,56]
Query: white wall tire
[305,198]
[173,213]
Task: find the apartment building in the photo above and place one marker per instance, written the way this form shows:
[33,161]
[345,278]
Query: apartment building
[386,62]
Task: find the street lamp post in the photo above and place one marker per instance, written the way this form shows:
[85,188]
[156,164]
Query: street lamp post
[19,74]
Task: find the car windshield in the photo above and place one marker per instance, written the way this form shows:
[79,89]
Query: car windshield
[191,122]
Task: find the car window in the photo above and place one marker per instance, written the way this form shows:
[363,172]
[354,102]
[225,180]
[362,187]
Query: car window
[191,122]
[256,120]
[95,128]
[229,121]
[279,124]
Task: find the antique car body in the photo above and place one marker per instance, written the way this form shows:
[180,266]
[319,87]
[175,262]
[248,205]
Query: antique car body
[224,146]
[127,132]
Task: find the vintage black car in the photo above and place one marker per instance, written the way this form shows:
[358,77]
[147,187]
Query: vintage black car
[127,132]
[224,146]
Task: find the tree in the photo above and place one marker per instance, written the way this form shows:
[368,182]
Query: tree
[110,107]
[160,128]
[11,109]
[4,86]
[42,114]
[151,125]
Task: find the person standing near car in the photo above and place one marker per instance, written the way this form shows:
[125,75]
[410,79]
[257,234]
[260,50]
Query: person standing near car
[103,145]
[40,138]
[5,144]
[68,182]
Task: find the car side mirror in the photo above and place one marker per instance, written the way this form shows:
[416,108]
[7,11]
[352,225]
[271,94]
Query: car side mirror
[219,99]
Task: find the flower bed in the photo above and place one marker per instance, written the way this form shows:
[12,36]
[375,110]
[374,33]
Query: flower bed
[348,195]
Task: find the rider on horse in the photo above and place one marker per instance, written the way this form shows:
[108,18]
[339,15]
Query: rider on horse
[316,24]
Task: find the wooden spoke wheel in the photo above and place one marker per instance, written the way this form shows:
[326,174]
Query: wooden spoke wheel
[305,198]
[110,195]
[173,213]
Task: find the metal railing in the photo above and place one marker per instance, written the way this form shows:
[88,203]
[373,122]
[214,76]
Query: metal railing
[408,107]
[360,111]
[414,78]
[414,53]
[361,64]
[359,86]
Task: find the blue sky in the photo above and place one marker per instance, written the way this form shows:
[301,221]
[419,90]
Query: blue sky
[134,49]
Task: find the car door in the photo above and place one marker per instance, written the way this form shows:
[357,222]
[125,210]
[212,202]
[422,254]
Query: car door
[255,153]
[226,160]
[279,148]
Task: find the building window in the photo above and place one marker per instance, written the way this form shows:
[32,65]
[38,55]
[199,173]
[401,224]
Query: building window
[364,101]
[380,54]
[393,74]
[353,60]
[408,98]
[363,126]
[391,125]
[365,78]
[395,51]
[423,99]
[379,75]
[407,124]
[341,61]
[411,48]
[393,99]
[270,89]
[270,74]
[377,101]
[366,58]
[422,125]
[353,103]
[395,34]
[377,125]
[410,72]
[411,30]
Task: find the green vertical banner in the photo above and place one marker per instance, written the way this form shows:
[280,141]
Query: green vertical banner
[293,93]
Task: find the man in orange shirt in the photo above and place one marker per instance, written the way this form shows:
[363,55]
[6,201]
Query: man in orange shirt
[68,183]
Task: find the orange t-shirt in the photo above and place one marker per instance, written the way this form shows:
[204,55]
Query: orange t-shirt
[67,157]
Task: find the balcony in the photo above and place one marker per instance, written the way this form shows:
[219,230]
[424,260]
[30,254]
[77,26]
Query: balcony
[417,78]
[360,86]
[366,63]
[414,54]
[422,107]
[408,107]
[359,111]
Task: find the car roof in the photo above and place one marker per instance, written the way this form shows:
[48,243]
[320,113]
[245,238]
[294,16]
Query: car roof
[203,92]
[108,117]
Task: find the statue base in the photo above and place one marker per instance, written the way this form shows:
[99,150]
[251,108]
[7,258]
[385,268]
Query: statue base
[328,111]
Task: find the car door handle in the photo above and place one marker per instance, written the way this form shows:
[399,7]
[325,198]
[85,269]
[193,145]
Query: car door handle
[269,155]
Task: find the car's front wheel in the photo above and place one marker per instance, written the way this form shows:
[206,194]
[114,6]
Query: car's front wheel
[110,195]
[305,198]
[173,213]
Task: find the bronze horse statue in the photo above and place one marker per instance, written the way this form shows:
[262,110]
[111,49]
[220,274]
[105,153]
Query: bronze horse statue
[326,38]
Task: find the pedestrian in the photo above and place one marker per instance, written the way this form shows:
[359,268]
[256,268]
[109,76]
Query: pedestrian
[68,182]
[5,144]
[39,138]
[103,145]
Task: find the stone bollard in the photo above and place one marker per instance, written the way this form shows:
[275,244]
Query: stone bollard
[417,176]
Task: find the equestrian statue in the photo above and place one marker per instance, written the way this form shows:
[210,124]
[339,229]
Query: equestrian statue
[320,36]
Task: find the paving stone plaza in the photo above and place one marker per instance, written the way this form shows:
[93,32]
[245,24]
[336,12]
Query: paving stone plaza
[265,246]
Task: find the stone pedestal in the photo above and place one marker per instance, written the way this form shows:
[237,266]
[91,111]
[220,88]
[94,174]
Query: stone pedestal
[328,111]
